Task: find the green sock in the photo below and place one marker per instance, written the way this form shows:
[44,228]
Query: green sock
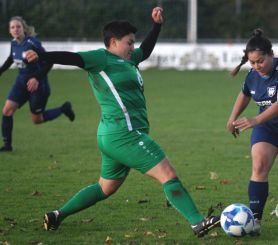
[83,199]
[180,199]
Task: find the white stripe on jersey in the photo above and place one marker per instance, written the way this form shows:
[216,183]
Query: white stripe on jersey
[118,98]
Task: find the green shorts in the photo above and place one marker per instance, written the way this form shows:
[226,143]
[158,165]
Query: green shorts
[123,151]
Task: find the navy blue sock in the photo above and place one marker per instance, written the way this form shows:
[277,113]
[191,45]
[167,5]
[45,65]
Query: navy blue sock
[7,128]
[52,114]
[258,192]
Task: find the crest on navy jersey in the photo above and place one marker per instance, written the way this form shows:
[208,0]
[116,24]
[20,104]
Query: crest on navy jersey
[271,91]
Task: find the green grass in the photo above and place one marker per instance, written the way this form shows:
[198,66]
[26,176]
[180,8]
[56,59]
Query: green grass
[51,162]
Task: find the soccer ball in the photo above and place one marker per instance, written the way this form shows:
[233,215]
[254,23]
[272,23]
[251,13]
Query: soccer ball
[237,220]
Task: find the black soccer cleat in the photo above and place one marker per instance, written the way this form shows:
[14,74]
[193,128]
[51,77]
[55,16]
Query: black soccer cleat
[6,148]
[68,111]
[51,221]
[203,227]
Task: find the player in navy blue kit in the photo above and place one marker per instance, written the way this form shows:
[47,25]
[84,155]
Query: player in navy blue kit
[261,85]
[31,83]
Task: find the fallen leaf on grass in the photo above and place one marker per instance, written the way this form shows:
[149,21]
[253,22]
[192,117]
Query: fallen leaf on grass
[224,182]
[200,187]
[128,236]
[54,166]
[275,211]
[162,235]
[6,243]
[144,219]
[86,221]
[272,200]
[213,175]
[238,242]
[148,233]
[36,193]
[11,221]
[34,220]
[108,240]
[214,234]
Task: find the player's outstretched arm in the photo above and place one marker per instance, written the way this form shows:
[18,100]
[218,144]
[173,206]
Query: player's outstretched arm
[149,42]
[56,57]
[7,64]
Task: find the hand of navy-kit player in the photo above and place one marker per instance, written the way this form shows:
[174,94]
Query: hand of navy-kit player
[32,85]
[245,123]
[231,128]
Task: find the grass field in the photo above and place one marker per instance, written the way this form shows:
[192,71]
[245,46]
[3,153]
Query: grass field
[51,162]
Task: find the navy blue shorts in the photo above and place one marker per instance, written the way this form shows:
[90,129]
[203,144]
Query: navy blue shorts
[37,100]
[265,133]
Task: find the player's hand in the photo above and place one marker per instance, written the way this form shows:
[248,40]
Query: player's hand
[32,85]
[245,123]
[157,15]
[31,56]
[231,128]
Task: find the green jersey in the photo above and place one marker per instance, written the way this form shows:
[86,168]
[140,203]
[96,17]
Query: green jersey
[118,88]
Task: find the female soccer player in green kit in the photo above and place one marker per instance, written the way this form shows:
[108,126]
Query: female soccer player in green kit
[122,136]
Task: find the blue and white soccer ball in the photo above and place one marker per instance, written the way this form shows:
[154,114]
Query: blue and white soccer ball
[237,220]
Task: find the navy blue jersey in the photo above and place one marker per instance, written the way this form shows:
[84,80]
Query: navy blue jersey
[263,90]
[18,55]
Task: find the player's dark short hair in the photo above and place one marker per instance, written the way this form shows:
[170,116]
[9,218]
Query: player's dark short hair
[117,29]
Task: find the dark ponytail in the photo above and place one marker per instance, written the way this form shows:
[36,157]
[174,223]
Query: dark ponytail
[244,59]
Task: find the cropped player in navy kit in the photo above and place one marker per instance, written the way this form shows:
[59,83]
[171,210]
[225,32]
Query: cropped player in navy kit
[261,85]
[31,83]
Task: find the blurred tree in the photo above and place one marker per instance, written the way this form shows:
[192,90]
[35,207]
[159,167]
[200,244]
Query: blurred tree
[84,19]
[216,19]
[219,19]
[260,14]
